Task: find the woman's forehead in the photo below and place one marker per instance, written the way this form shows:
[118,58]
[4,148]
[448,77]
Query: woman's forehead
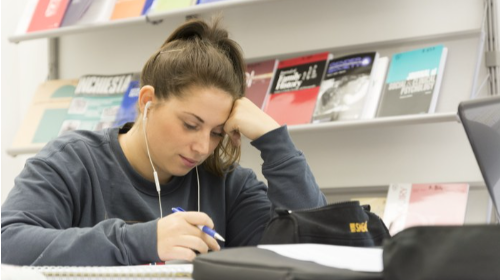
[211,105]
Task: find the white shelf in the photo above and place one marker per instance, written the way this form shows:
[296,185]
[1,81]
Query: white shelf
[135,21]
[15,151]
[375,123]
[311,129]
[377,152]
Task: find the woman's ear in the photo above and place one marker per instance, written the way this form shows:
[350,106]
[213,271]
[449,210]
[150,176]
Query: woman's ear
[146,94]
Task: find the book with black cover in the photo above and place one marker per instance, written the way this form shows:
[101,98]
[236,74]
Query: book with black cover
[295,88]
[350,88]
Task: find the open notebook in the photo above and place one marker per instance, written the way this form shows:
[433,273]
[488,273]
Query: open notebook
[169,271]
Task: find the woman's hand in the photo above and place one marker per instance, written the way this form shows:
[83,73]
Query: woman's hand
[179,237]
[248,119]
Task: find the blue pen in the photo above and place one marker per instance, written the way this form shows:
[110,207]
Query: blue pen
[205,229]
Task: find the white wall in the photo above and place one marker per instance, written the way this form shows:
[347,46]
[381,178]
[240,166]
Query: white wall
[24,67]
[267,30]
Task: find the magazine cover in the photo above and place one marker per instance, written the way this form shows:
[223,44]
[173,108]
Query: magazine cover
[258,77]
[48,15]
[345,87]
[410,205]
[96,102]
[413,82]
[46,114]
[295,88]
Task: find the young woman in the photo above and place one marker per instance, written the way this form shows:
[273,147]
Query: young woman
[105,198]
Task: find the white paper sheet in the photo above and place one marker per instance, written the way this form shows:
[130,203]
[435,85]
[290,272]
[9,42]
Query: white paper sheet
[354,258]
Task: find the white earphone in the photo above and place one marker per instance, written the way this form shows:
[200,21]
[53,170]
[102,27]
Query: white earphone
[146,108]
[155,174]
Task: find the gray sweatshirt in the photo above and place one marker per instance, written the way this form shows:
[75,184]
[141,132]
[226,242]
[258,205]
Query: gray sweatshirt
[80,202]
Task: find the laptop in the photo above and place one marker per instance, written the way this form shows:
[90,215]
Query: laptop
[481,121]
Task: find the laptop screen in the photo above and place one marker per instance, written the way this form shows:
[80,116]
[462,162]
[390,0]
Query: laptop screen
[481,121]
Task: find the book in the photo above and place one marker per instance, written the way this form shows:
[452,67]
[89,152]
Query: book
[350,88]
[75,11]
[45,114]
[377,83]
[147,7]
[167,271]
[258,78]
[413,82]
[25,18]
[295,88]
[96,102]
[128,109]
[98,11]
[168,5]
[199,2]
[130,8]
[411,205]
[48,14]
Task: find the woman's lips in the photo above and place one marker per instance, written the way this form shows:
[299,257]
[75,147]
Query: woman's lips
[188,162]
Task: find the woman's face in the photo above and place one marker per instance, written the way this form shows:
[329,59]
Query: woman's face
[183,132]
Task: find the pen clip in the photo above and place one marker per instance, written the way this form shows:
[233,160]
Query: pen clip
[177,209]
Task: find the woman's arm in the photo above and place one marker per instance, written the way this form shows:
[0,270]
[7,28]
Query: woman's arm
[41,223]
[291,183]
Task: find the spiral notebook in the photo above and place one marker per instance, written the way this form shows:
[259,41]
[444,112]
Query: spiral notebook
[169,271]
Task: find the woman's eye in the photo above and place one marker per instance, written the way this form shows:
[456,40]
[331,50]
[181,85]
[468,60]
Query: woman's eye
[190,127]
[218,134]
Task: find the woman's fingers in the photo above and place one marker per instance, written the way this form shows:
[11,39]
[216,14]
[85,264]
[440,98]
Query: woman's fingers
[179,236]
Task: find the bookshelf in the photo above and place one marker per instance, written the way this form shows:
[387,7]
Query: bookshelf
[153,18]
[346,157]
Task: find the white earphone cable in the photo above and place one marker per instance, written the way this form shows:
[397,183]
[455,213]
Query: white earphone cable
[155,174]
[198,180]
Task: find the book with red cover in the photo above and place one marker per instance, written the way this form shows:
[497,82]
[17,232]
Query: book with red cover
[259,76]
[295,88]
[411,205]
[48,14]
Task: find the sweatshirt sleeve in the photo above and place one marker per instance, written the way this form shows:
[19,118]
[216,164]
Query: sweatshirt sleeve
[40,226]
[291,184]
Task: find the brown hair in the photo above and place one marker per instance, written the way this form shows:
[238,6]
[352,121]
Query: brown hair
[199,54]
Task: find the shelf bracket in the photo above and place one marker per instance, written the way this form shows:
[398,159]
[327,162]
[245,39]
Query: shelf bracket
[492,58]
[193,16]
[53,58]
[153,22]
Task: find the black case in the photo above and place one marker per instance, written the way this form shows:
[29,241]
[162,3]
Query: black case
[443,252]
[344,223]
[246,263]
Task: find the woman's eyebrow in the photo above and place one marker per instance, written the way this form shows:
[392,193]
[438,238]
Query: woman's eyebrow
[196,116]
[201,120]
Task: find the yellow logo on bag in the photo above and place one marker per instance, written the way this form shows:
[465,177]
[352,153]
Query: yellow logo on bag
[359,227]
